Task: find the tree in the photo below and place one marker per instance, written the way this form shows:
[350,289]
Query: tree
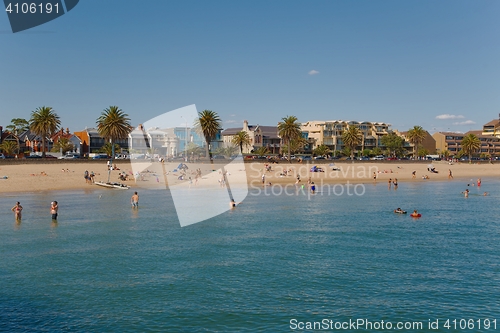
[470,144]
[366,152]
[289,130]
[446,154]
[422,152]
[295,146]
[108,149]
[393,143]
[18,126]
[241,139]
[64,145]
[113,124]
[9,147]
[208,124]
[321,150]
[44,122]
[416,136]
[376,151]
[261,151]
[352,137]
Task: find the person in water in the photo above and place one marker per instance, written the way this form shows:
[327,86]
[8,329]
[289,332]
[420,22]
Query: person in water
[399,210]
[134,201]
[232,204]
[466,193]
[313,188]
[17,209]
[54,208]
[395,182]
[415,214]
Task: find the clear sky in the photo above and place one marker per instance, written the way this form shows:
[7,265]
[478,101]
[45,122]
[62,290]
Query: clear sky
[401,62]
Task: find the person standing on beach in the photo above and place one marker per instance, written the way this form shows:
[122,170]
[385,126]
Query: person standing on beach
[263,179]
[134,201]
[374,177]
[54,208]
[17,211]
[450,174]
[414,174]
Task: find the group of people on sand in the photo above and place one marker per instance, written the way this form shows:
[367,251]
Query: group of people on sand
[89,177]
[17,209]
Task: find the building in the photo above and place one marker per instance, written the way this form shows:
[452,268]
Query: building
[329,133]
[73,139]
[428,143]
[168,142]
[92,142]
[451,141]
[490,144]
[492,128]
[260,136]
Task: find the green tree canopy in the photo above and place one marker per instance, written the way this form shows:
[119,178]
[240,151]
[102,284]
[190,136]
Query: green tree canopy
[241,139]
[113,124]
[470,144]
[416,136]
[393,142]
[321,150]
[9,147]
[64,145]
[44,122]
[352,138]
[289,130]
[208,125]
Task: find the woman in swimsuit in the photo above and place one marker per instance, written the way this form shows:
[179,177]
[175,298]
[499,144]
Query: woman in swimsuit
[17,210]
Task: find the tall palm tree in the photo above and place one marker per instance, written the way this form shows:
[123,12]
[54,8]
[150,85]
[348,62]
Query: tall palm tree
[18,126]
[208,124]
[416,136]
[470,144]
[352,138]
[241,139]
[113,124]
[289,130]
[44,122]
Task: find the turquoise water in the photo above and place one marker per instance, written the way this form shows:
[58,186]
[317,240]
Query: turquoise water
[106,268]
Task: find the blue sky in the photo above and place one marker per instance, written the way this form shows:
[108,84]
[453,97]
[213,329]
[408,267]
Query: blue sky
[401,62]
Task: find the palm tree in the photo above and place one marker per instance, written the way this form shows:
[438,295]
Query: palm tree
[321,150]
[208,124]
[108,149]
[18,126]
[113,124]
[241,139]
[8,147]
[470,144]
[44,122]
[352,137]
[416,136]
[288,130]
[261,151]
[63,145]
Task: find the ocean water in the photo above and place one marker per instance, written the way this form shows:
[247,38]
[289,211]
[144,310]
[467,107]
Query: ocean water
[273,264]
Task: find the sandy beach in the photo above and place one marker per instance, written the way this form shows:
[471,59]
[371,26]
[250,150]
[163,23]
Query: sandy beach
[33,177]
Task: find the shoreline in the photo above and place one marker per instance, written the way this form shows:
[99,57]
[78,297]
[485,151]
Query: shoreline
[40,177]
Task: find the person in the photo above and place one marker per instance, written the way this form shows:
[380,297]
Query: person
[389,184]
[54,209]
[399,211]
[479,182]
[263,179]
[134,201]
[414,174]
[374,176]
[17,210]
[466,193]
[92,175]
[313,188]
[450,174]
[86,176]
[395,182]
[232,204]
[415,214]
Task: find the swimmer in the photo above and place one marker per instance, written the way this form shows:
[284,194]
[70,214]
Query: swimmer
[313,188]
[17,210]
[415,214]
[134,200]
[54,208]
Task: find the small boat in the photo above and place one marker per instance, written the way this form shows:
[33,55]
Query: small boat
[113,185]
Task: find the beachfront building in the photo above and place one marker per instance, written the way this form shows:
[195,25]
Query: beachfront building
[492,128]
[260,136]
[451,141]
[31,142]
[329,133]
[429,142]
[92,141]
[73,139]
[490,144]
[168,142]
